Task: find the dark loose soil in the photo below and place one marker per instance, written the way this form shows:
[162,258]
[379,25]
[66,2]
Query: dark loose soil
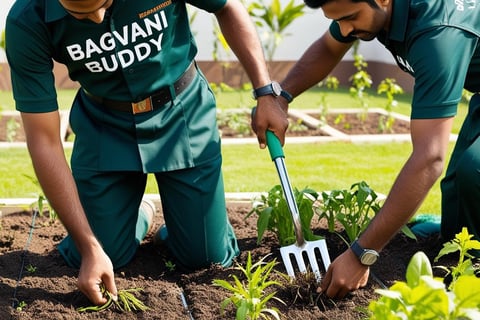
[370,123]
[50,291]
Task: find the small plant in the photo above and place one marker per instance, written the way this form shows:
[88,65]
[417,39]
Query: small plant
[274,215]
[21,305]
[297,126]
[360,81]
[390,88]
[126,301]
[31,269]
[462,243]
[331,83]
[353,208]
[238,121]
[170,265]
[40,201]
[251,298]
[424,297]
[12,127]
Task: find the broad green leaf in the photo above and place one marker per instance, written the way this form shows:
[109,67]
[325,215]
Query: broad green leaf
[418,266]
[262,223]
[467,291]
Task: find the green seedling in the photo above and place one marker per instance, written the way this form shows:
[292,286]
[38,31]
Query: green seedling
[12,127]
[31,269]
[21,305]
[250,298]
[331,83]
[390,88]
[462,243]
[274,215]
[170,265]
[238,121]
[126,301]
[41,199]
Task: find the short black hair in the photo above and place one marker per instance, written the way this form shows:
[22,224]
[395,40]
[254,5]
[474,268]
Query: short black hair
[319,3]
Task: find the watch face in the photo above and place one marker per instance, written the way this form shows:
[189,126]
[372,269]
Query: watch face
[277,89]
[369,257]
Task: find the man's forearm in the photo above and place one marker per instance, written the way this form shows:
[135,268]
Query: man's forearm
[242,38]
[408,192]
[59,187]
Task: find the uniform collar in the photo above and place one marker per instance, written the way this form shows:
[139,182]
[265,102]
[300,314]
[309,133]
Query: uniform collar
[399,20]
[54,10]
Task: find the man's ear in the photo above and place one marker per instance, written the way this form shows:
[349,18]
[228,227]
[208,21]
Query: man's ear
[384,4]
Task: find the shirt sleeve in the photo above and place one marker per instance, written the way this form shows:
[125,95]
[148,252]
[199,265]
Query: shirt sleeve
[440,58]
[210,5]
[31,66]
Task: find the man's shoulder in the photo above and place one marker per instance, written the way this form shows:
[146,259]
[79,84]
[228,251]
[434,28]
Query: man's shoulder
[434,13]
[29,12]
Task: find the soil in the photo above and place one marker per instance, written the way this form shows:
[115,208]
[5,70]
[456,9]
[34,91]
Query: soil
[50,290]
[358,123]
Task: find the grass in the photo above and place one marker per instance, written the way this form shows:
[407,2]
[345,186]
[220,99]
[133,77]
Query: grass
[322,166]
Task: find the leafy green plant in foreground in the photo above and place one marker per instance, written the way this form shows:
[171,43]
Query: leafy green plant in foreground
[274,214]
[126,301]
[423,296]
[251,298]
[462,243]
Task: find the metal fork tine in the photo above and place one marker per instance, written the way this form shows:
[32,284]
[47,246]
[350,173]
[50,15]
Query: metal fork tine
[300,261]
[287,262]
[324,253]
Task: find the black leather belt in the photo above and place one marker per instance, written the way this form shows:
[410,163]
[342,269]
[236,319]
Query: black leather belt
[155,101]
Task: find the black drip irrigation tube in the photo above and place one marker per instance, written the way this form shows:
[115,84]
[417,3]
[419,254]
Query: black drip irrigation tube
[377,280]
[15,301]
[185,304]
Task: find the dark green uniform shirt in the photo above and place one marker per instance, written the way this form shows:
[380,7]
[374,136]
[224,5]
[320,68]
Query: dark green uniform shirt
[140,47]
[437,41]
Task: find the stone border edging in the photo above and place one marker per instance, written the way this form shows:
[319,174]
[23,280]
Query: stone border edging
[11,205]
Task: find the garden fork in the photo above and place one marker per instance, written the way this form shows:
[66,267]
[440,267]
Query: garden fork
[301,247]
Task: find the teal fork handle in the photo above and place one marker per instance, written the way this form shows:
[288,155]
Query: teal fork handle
[274,146]
[278,157]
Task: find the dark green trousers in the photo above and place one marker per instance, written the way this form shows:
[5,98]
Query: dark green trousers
[461,185]
[194,209]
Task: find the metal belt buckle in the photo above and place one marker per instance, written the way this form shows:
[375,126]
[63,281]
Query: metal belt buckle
[142,106]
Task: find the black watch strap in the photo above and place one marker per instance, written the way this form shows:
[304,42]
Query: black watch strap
[272,88]
[367,257]
[286,95]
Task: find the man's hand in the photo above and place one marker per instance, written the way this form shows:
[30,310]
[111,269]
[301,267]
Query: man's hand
[96,269]
[345,274]
[271,115]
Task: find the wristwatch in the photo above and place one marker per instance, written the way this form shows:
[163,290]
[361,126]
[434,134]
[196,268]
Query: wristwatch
[367,257]
[272,88]
[286,95]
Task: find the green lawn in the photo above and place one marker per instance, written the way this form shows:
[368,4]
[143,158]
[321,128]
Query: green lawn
[321,166]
